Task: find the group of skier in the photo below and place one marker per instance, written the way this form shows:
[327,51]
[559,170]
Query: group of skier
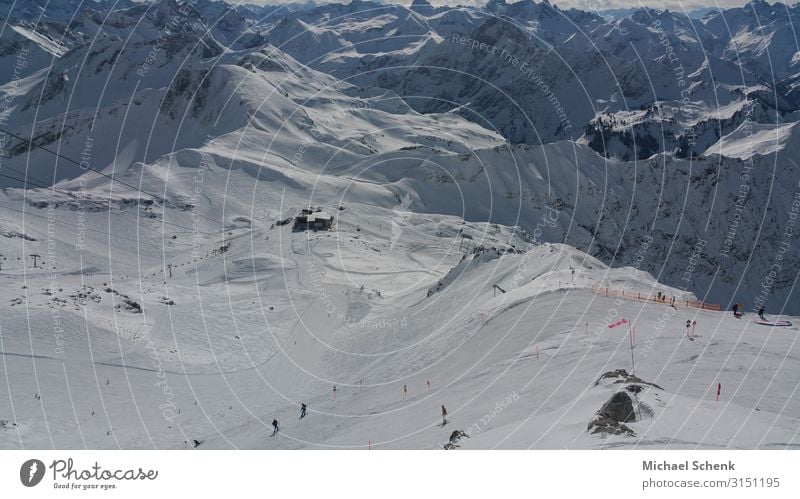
[304,409]
[276,428]
[662,297]
[737,313]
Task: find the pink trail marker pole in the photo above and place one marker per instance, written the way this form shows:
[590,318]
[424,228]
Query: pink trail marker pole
[587,329]
[537,352]
[694,323]
[719,389]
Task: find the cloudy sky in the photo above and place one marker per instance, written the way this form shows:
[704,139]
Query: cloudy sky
[677,5]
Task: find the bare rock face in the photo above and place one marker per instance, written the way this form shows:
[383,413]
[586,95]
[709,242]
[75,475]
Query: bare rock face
[622,376]
[609,427]
[619,408]
[610,418]
[5,424]
[623,406]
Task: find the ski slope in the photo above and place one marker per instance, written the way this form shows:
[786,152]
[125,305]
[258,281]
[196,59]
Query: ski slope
[281,317]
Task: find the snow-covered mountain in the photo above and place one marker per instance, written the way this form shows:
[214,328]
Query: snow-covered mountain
[140,83]
[486,169]
[680,69]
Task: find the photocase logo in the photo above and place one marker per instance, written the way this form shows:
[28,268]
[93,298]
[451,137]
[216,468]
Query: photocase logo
[401,213]
[31,472]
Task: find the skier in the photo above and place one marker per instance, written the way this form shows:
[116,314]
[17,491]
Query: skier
[761,313]
[302,410]
[455,437]
[444,416]
[735,309]
[274,427]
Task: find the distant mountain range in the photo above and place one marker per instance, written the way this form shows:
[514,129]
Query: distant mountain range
[645,122]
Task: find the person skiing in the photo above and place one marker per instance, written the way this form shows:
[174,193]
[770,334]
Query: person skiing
[274,427]
[761,313]
[444,416]
[303,410]
[735,309]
